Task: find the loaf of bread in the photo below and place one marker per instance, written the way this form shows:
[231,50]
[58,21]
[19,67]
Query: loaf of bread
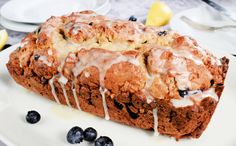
[122,71]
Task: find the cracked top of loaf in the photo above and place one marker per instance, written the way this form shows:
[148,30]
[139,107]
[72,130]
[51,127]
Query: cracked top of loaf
[122,56]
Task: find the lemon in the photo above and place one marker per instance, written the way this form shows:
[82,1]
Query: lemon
[3,38]
[159,14]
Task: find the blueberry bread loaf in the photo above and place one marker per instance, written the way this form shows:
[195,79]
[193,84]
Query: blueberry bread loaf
[122,71]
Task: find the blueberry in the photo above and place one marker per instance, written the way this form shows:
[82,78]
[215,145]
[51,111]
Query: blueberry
[103,141]
[33,117]
[90,134]
[132,18]
[131,113]
[118,105]
[36,57]
[212,82]
[162,33]
[75,135]
[90,23]
[183,93]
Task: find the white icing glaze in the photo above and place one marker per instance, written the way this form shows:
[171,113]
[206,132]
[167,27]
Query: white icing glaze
[63,80]
[23,55]
[51,83]
[59,68]
[176,66]
[187,54]
[65,94]
[210,93]
[73,88]
[68,26]
[51,26]
[181,73]
[87,74]
[49,52]
[218,62]
[109,24]
[63,47]
[149,98]
[182,102]
[194,96]
[147,88]
[155,121]
[103,61]
[203,51]
[45,60]
[80,27]
[159,63]
[70,58]
[215,61]
[103,91]
[85,17]
[20,64]
[25,42]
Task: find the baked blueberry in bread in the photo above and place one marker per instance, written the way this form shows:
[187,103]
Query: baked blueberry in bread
[122,71]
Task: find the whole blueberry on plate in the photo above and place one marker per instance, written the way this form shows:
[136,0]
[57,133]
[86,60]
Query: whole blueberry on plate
[33,117]
[103,141]
[90,134]
[75,135]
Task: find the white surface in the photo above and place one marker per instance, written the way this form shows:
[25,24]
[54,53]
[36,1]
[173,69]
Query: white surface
[21,27]
[56,120]
[101,7]
[38,11]
[220,40]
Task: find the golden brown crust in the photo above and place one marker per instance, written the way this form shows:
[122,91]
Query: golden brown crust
[131,61]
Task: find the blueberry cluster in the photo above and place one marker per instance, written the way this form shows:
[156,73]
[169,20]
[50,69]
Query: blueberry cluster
[75,134]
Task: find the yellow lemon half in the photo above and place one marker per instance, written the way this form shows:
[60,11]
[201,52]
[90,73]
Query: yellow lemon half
[3,38]
[159,14]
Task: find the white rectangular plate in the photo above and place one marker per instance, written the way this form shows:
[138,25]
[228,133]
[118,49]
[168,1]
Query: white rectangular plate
[56,120]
